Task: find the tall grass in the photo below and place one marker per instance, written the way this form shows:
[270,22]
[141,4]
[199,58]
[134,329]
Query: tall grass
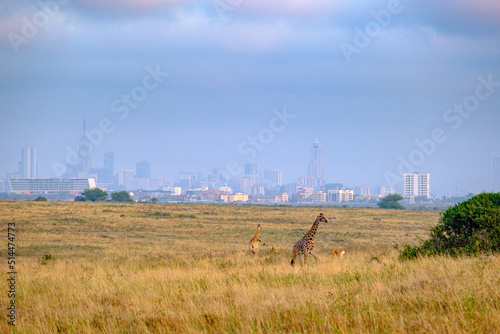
[130,270]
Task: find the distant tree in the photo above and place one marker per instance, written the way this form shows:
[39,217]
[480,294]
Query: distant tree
[391,202]
[95,194]
[79,199]
[154,200]
[41,199]
[121,196]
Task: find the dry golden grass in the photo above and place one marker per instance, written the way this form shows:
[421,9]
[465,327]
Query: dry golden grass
[154,268]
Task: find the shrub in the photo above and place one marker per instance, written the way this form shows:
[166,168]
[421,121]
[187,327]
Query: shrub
[470,227]
[473,225]
[41,199]
[95,194]
[183,215]
[46,258]
[121,196]
[391,202]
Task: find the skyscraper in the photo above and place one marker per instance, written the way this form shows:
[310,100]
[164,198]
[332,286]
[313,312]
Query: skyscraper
[495,173]
[143,170]
[109,161]
[84,162]
[316,165]
[249,179]
[416,185]
[251,168]
[27,165]
[272,176]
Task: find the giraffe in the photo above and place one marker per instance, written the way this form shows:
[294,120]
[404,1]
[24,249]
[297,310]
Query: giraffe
[306,244]
[254,242]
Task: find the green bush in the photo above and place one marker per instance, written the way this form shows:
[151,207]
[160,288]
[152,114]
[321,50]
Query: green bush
[391,202]
[121,196]
[183,215]
[470,227]
[95,194]
[46,258]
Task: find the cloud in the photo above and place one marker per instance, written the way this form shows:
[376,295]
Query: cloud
[290,7]
[138,7]
[479,17]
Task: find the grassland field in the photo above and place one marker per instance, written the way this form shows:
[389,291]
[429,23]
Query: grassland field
[186,268]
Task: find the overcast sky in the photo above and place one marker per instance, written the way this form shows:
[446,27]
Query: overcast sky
[386,86]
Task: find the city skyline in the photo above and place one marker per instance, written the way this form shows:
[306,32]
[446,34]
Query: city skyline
[387,87]
[250,169]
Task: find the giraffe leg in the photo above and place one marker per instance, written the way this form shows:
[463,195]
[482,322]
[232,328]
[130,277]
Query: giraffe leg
[294,257]
[314,256]
[303,258]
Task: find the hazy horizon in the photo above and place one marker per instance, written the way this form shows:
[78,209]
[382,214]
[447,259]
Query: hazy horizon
[385,86]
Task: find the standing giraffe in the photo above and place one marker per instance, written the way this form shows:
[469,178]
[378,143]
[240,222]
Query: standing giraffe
[254,242]
[306,244]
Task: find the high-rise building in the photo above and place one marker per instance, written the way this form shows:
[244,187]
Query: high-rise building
[251,168]
[124,175]
[273,177]
[247,182]
[306,181]
[27,165]
[316,165]
[495,173]
[363,190]
[416,185]
[250,178]
[109,161]
[84,161]
[143,170]
[384,191]
[185,182]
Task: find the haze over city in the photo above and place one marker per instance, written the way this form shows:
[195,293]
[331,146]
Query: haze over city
[385,87]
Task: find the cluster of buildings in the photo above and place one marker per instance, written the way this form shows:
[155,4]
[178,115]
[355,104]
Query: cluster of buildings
[262,186]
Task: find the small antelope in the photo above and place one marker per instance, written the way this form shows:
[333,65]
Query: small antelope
[337,252]
[254,242]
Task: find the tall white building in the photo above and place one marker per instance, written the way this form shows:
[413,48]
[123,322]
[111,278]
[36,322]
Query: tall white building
[316,169]
[27,165]
[416,185]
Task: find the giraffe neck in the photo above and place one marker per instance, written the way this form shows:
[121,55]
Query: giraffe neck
[256,233]
[313,230]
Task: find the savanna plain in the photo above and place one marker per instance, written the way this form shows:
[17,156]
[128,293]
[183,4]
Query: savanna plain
[186,268]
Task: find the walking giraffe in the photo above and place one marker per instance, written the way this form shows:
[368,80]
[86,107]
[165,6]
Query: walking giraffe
[254,242]
[306,244]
